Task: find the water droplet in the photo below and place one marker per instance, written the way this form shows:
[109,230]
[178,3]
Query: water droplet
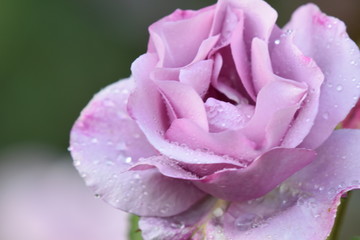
[246,221]
[128,159]
[121,146]
[109,163]
[76,163]
[165,209]
[179,225]
[325,115]
[218,212]
[94,140]
[329,26]
[70,149]
[339,88]
[137,176]
[277,41]
[97,195]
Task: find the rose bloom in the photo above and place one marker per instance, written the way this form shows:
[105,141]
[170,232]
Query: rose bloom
[225,129]
[46,200]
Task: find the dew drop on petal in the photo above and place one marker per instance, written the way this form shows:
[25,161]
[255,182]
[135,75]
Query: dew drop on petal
[246,221]
[277,41]
[128,160]
[179,225]
[339,88]
[325,115]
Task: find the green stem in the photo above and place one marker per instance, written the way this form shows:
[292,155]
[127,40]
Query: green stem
[339,217]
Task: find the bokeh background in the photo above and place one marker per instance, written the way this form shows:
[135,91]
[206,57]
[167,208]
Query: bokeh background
[55,54]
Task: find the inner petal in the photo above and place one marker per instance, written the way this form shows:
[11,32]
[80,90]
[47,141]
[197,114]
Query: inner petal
[227,143]
[226,116]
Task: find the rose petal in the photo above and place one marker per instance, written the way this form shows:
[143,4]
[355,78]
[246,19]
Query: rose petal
[171,168]
[105,140]
[278,101]
[149,193]
[178,37]
[183,226]
[226,116]
[324,39]
[263,175]
[197,76]
[185,102]
[309,198]
[226,143]
[259,20]
[262,72]
[288,62]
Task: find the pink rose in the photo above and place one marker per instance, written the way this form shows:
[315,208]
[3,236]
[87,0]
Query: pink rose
[226,105]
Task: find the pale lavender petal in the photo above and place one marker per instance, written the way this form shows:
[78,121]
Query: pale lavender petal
[185,102]
[178,37]
[174,169]
[226,116]
[149,193]
[197,76]
[227,143]
[277,102]
[288,62]
[325,40]
[259,20]
[309,198]
[260,177]
[183,226]
[262,72]
[104,131]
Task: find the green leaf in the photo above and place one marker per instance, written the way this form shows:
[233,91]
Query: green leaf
[355,238]
[135,233]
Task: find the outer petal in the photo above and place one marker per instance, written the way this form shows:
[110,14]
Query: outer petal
[324,39]
[309,198]
[104,132]
[180,227]
[263,175]
[105,141]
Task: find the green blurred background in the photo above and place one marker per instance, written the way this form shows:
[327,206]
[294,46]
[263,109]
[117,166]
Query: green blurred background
[55,54]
